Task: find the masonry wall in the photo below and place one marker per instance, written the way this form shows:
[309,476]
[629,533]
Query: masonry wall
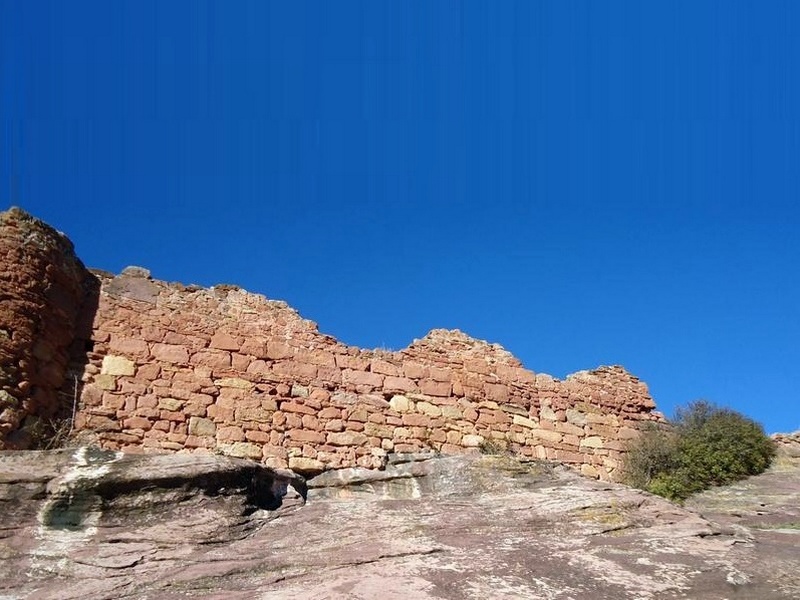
[152,367]
[221,370]
[43,287]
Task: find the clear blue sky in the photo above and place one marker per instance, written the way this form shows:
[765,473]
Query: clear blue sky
[583,182]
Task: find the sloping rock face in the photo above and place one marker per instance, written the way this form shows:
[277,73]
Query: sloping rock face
[88,523]
[442,528]
[170,368]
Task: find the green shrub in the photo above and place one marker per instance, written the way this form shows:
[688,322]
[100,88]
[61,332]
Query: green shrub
[703,447]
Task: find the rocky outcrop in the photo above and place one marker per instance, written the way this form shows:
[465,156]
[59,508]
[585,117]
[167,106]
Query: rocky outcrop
[90,515]
[173,368]
[43,287]
[423,529]
[788,445]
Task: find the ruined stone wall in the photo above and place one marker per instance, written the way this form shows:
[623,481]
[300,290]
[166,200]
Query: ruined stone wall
[165,367]
[222,370]
[42,289]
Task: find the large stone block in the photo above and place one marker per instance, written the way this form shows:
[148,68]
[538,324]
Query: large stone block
[117,365]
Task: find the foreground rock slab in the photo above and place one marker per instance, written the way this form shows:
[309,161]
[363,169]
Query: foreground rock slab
[89,523]
[429,528]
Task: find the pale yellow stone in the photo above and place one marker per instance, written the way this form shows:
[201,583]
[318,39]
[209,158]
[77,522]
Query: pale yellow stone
[590,471]
[299,391]
[276,462]
[106,382]
[117,365]
[451,412]
[400,403]
[525,422]
[233,382]
[200,427]
[429,409]
[593,441]
[598,419]
[170,404]
[241,450]
[381,431]
[547,413]
[576,417]
[547,435]
[472,441]
[347,438]
[301,464]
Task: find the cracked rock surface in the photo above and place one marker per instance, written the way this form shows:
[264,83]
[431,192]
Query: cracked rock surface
[100,525]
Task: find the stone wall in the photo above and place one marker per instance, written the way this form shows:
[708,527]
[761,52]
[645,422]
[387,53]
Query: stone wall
[42,288]
[166,367]
[222,370]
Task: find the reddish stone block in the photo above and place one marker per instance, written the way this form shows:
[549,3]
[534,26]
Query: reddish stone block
[365,378]
[130,347]
[356,363]
[319,358]
[414,370]
[230,433]
[399,384]
[470,414]
[311,422]
[330,412]
[150,413]
[254,347]
[214,359]
[176,416]
[297,408]
[416,420]
[193,441]
[240,362]
[147,402]
[302,371]
[438,435]
[215,412]
[224,341]
[137,423]
[278,350]
[260,437]
[496,392]
[478,365]
[384,367]
[440,374]
[329,375]
[170,353]
[435,388]
[192,342]
[303,435]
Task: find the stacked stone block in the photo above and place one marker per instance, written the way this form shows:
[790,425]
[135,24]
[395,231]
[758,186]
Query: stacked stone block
[42,289]
[177,368]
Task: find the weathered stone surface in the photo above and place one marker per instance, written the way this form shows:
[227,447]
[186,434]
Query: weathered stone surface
[424,529]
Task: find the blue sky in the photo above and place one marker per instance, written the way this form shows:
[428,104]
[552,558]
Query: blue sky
[583,182]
